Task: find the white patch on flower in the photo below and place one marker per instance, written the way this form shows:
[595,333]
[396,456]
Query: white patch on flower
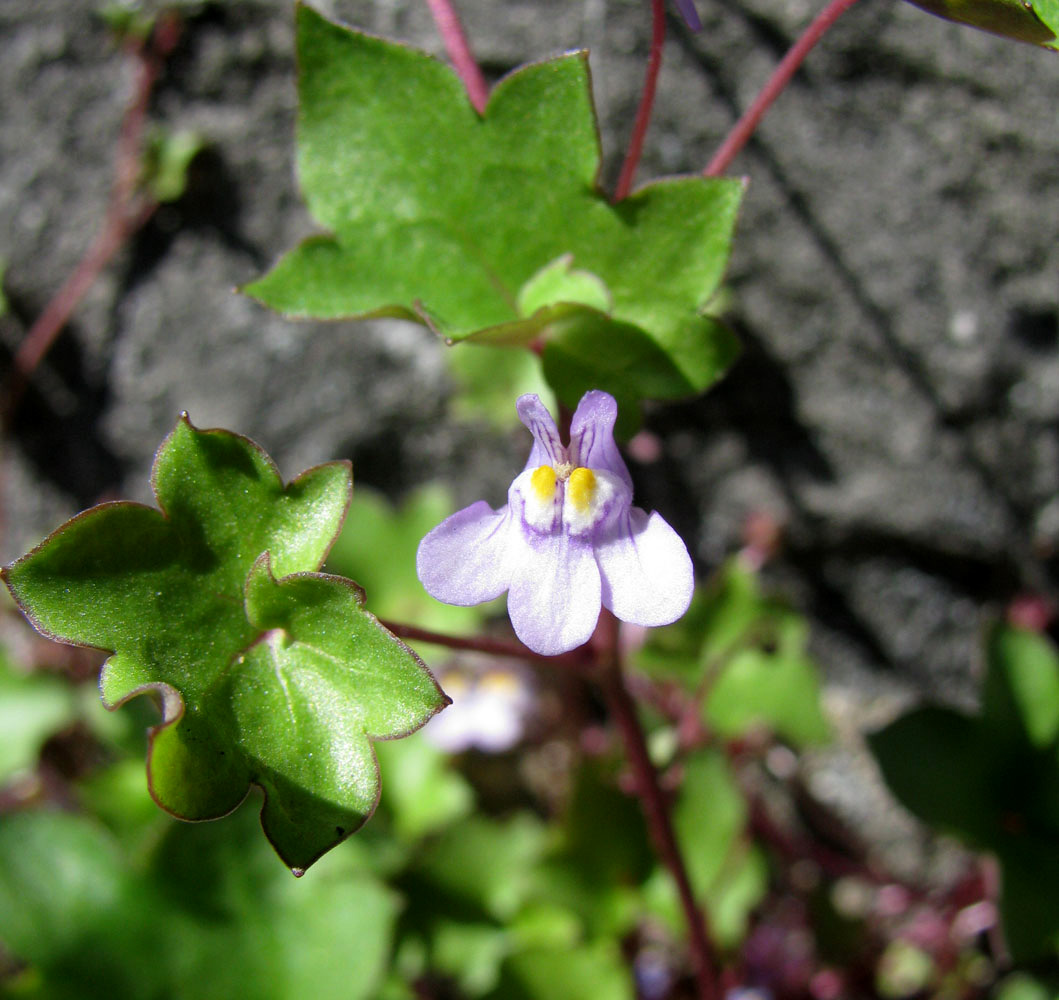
[577,498]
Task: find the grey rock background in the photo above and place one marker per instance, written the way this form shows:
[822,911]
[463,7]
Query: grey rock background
[894,280]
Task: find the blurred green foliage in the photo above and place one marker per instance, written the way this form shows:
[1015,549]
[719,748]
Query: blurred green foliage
[743,656]
[532,901]
[993,780]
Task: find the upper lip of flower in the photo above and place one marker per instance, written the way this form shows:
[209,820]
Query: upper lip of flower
[567,542]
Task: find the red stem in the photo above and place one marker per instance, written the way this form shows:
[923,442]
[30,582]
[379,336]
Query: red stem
[655,807]
[647,99]
[781,76]
[126,213]
[480,644]
[459,51]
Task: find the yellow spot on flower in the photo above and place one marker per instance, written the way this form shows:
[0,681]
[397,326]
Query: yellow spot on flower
[543,482]
[582,488]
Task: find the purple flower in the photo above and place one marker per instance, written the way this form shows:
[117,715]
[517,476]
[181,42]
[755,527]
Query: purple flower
[568,541]
[489,709]
[690,15]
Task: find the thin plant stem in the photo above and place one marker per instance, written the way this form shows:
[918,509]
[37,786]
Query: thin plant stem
[653,802]
[647,99]
[451,31]
[127,212]
[781,76]
[479,644]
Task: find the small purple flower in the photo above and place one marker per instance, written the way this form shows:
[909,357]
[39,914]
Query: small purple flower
[567,542]
[690,15]
[489,709]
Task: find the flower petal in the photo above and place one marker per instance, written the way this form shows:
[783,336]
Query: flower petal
[547,448]
[554,599]
[464,560]
[646,570]
[592,435]
[691,15]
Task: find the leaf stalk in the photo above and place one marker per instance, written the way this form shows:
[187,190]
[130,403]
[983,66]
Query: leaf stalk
[774,86]
[459,50]
[647,98]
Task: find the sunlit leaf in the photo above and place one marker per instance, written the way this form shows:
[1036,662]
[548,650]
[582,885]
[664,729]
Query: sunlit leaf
[268,673]
[493,227]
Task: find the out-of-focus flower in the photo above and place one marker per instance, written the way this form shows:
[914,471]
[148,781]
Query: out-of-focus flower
[567,542]
[690,15]
[488,711]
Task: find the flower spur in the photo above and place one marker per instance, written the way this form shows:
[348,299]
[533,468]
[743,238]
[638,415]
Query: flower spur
[568,541]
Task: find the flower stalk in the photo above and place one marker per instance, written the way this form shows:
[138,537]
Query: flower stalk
[653,802]
[481,644]
[128,211]
[647,99]
[459,50]
[774,86]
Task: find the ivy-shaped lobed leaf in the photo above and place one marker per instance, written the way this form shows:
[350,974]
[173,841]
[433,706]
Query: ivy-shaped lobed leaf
[268,672]
[493,227]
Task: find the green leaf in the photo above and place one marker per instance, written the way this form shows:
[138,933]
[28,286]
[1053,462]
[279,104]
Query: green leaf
[560,281]
[166,162]
[934,761]
[471,954]
[277,680]
[483,864]
[1022,683]
[750,655]
[708,817]
[993,780]
[904,970]
[1022,986]
[776,687]
[1036,22]
[454,220]
[421,791]
[728,874]
[724,616]
[126,20]
[624,855]
[589,972]
[206,914]
[489,378]
[1029,906]
[32,707]
[586,350]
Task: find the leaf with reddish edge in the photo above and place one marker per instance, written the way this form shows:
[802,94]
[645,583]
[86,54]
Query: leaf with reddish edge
[490,228]
[268,672]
